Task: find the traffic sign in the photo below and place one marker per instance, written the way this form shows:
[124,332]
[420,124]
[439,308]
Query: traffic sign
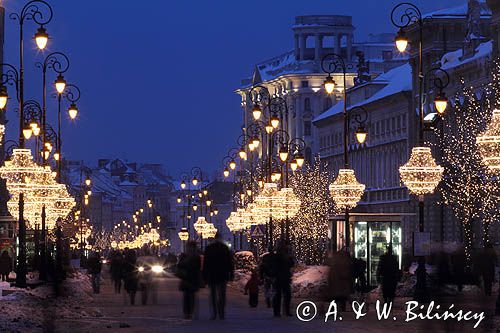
[256,231]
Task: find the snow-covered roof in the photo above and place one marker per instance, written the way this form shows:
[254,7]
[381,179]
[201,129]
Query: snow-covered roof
[280,65]
[454,59]
[396,80]
[458,12]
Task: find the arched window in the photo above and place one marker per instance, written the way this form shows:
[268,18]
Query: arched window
[307,104]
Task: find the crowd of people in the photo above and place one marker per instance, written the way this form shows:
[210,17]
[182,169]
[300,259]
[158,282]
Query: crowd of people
[214,268]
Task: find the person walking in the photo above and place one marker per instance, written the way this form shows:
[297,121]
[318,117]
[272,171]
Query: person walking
[130,274]
[388,272]
[487,267]
[265,269]
[189,272]
[218,269]
[283,262]
[94,269]
[340,278]
[5,265]
[116,270]
[252,289]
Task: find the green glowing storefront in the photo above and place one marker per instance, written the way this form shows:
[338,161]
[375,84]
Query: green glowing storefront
[370,236]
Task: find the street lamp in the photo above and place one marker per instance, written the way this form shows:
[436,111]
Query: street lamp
[421,167]
[346,179]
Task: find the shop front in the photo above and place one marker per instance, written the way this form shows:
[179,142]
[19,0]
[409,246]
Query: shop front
[370,236]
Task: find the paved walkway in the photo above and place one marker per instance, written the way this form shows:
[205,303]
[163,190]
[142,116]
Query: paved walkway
[166,316]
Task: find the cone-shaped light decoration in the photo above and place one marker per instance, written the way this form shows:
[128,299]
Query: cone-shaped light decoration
[39,187]
[345,190]
[421,174]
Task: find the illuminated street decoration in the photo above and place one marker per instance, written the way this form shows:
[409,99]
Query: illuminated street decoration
[289,203]
[39,187]
[488,143]
[201,225]
[345,191]
[421,174]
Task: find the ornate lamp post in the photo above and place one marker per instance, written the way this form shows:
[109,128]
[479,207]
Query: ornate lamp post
[345,190]
[72,94]
[421,174]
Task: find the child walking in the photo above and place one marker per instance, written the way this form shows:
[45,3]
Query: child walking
[252,289]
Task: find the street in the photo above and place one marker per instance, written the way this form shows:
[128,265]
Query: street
[166,316]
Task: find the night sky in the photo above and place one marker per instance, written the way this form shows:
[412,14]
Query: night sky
[158,77]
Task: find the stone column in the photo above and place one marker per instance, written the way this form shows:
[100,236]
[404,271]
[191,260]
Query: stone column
[336,45]
[302,46]
[296,45]
[349,47]
[318,47]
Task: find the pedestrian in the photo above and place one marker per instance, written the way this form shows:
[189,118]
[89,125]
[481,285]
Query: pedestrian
[130,274]
[359,271]
[266,268]
[116,270]
[388,272]
[189,272]
[283,263]
[252,289]
[340,278]
[94,269]
[218,269]
[5,265]
[487,263]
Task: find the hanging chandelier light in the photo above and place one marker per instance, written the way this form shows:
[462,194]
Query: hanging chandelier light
[39,188]
[268,202]
[201,225]
[210,231]
[252,215]
[488,143]
[290,203]
[421,174]
[345,191]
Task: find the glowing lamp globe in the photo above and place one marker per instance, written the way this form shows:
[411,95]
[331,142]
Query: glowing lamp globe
[401,41]
[60,84]
[441,103]
[346,191]
[421,174]
[73,111]
[329,85]
[488,143]
[41,38]
[3,97]
[256,111]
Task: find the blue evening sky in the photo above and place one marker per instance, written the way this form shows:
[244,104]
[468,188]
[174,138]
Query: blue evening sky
[158,77]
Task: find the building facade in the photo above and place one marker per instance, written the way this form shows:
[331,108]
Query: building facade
[297,75]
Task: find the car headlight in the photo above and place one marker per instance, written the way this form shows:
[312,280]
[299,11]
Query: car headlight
[157,268]
[140,269]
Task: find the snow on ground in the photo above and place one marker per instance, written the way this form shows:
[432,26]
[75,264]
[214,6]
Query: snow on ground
[28,310]
[310,282]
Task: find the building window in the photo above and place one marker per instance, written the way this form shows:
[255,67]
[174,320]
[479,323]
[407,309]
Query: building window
[307,127]
[305,84]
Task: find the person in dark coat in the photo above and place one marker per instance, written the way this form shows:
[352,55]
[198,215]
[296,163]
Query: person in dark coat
[94,269]
[388,271]
[252,289]
[283,263]
[487,267]
[5,265]
[189,271]
[218,269]
[130,276]
[116,270]
[340,278]
[265,269]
